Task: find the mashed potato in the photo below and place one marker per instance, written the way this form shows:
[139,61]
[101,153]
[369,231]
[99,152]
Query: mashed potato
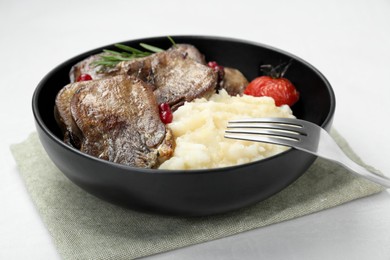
[198,128]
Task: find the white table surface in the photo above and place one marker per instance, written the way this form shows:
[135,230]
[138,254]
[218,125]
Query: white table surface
[348,41]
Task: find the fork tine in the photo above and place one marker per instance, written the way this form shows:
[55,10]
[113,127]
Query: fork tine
[282,131]
[302,135]
[275,133]
[284,124]
[276,120]
[261,138]
[266,125]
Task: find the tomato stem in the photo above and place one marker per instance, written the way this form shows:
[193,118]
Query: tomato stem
[276,72]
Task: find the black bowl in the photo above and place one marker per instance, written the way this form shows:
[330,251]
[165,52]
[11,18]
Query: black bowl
[193,192]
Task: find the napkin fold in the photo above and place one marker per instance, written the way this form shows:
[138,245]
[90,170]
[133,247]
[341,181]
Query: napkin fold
[85,227]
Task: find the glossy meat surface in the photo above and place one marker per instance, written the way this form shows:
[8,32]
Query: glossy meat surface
[63,116]
[234,82]
[175,76]
[115,116]
[119,121]
[86,66]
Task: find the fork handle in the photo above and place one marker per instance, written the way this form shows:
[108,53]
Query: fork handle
[363,172]
[356,169]
[329,149]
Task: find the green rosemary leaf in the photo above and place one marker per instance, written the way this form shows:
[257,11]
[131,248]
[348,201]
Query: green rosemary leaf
[115,58]
[105,63]
[111,58]
[144,54]
[126,54]
[110,52]
[151,48]
[128,48]
[171,40]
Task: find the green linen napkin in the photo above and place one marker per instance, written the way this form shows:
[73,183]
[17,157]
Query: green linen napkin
[85,227]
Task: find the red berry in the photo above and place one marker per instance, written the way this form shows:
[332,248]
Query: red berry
[166,114]
[166,117]
[218,69]
[84,77]
[164,107]
[212,64]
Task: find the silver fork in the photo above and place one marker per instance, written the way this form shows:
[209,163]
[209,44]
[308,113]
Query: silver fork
[301,135]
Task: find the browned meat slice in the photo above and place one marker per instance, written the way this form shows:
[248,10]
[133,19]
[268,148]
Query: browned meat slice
[87,67]
[234,82]
[175,77]
[190,51]
[119,120]
[62,114]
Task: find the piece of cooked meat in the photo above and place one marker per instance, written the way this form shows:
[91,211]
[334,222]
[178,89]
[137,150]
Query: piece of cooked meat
[234,82]
[86,66]
[119,121]
[189,51]
[63,116]
[175,77]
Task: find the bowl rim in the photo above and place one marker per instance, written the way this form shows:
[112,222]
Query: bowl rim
[74,59]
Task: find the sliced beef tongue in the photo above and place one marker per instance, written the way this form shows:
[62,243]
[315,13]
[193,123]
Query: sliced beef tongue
[115,116]
[234,82]
[63,116]
[118,120]
[175,77]
[86,66]
[189,51]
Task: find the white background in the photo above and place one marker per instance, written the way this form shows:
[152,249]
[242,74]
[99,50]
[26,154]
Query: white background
[348,41]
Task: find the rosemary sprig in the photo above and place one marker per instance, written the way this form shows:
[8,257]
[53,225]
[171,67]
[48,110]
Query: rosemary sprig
[111,58]
[171,40]
[150,47]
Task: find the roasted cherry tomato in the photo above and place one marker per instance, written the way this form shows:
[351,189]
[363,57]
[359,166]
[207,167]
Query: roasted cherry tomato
[280,89]
[274,85]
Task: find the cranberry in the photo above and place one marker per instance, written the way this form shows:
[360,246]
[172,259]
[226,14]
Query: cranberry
[217,68]
[212,64]
[166,115]
[164,107]
[84,77]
